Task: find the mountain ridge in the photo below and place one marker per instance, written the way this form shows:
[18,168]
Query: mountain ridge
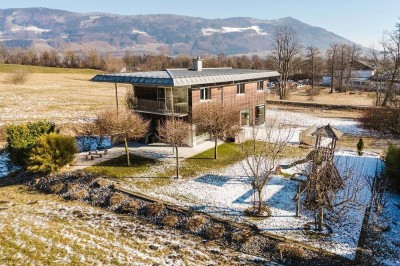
[44,28]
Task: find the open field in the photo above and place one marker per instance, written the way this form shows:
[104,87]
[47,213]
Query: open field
[38,229]
[60,95]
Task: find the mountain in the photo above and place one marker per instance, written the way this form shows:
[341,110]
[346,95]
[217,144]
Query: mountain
[43,28]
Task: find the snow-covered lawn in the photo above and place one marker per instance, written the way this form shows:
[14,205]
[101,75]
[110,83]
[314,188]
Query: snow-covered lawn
[40,229]
[228,193]
[300,121]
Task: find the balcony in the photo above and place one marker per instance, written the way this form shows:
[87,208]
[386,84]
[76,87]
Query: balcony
[160,107]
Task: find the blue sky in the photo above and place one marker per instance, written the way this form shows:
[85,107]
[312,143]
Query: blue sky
[362,21]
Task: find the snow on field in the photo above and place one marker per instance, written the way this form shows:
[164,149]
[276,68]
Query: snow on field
[228,193]
[391,214]
[300,121]
[39,229]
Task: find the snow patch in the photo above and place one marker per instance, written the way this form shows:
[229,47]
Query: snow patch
[223,30]
[29,28]
[140,32]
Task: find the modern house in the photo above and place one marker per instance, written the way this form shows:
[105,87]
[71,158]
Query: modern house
[174,92]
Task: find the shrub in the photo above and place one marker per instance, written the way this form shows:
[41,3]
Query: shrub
[19,76]
[57,188]
[170,220]
[392,166]
[100,182]
[290,250]
[360,147]
[80,194]
[215,231]
[383,119]
[130,207]
[155,208]
[195,222]
[242,236]
[116,199]
[21,139]
[52,152]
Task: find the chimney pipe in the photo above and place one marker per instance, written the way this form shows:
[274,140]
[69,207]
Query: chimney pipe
[197,64]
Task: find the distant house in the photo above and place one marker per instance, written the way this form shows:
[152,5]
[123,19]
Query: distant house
[174,92]
[361,74]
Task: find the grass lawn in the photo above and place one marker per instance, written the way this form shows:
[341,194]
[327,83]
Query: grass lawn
[117,167]
[228,153]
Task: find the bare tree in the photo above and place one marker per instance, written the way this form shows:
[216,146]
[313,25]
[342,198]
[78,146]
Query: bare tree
[332,57]
[391,53]
[123,126]
[216,119]
[313,63]
[286,48]
[176,133]
[353,53]
[263,152]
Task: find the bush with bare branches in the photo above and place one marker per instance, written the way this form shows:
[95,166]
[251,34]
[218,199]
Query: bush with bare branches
[19,76]
[155,208]
[130,207]
[195,223]
[123,125]
[176,133]
[170,220]
[215,231]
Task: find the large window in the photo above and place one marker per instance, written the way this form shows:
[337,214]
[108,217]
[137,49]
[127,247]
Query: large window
[260,85]
[240,88]
[205,93]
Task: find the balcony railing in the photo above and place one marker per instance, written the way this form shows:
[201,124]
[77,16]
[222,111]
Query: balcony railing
[159,107]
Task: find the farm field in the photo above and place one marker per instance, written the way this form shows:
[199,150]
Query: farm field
[58,94]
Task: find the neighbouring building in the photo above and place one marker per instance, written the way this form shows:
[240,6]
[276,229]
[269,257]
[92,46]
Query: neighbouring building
[360,78]
[174,92]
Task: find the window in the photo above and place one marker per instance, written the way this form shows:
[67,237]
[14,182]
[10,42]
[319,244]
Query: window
[240,88]
[260,85]
[205,94]
[245,117]
[161,94]
[260,115]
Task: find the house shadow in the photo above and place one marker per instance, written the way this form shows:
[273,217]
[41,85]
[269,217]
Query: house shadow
[215,180]
[242,199]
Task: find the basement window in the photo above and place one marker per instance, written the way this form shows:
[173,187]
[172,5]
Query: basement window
[240,88]
[205,93]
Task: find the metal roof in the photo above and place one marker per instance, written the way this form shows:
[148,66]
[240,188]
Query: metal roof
[186,77]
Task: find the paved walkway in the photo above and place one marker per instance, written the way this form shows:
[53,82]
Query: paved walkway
[159,151]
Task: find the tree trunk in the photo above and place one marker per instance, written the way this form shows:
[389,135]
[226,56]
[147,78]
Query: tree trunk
[320,218]
[177,162]
[216,147]
[298,201]
[259,201]
[128,162]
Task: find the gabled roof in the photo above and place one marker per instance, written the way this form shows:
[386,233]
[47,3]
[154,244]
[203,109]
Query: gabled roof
[328,131]
[186,77]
